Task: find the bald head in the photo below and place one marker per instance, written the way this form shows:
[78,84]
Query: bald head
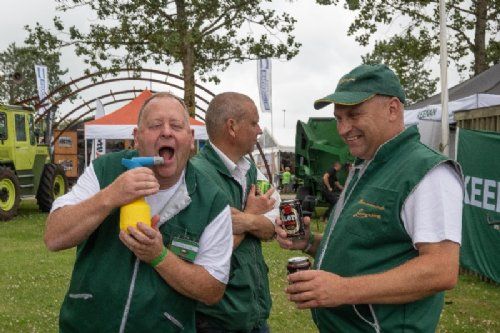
[228,105]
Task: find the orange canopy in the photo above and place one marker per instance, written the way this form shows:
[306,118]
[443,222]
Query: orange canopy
[120,123]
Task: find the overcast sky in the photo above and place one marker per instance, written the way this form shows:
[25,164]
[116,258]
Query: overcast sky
[326,54]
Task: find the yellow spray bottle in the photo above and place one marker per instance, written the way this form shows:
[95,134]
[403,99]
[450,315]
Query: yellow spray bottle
[137,210]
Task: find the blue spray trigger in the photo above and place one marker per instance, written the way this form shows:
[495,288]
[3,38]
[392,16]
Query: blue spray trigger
[144,161]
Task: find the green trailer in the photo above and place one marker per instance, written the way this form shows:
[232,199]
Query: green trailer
[317,146]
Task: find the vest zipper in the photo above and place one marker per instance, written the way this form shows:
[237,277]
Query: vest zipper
[130,294]
[259,280]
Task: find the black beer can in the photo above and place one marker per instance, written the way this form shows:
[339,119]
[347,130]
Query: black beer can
[291,216]
[296,264]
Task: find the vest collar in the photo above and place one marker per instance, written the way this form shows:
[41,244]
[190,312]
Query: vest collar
[181,198]
[211,155]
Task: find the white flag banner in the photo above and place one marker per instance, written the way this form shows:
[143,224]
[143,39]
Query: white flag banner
[264,81]
[99,146]
[42,84]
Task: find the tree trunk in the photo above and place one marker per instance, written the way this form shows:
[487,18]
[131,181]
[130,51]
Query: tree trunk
[480,64]
[189,81]
[187,57]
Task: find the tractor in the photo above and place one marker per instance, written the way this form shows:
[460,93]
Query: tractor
[25,166]
[317,146]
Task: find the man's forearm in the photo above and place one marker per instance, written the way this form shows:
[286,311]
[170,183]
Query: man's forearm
[70,225]
[313,244]
[420,277]
[191,280]
[261,227]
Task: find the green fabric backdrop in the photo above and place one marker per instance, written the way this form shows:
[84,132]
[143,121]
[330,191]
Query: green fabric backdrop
[479,154]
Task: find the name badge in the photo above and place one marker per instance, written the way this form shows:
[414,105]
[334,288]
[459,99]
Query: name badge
[185,249]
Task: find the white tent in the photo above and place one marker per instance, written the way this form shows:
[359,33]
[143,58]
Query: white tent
[433,112]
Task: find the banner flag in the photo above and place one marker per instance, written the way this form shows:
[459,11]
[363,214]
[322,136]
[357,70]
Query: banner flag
[99,145]
[42,84]
[264,81]
[477,152]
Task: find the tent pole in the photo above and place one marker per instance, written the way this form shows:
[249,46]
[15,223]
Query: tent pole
[445,129]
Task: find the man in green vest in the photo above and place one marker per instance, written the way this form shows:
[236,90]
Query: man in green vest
[143,279]
[391,245]
[232,123]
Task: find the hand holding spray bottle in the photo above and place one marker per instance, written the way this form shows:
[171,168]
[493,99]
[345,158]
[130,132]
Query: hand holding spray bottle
[137,210]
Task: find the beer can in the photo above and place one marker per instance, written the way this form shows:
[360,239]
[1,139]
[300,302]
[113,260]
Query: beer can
[291,217]
[263,186]
[296,264]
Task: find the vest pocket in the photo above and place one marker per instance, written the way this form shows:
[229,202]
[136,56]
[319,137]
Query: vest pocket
[370,214]
[174,321]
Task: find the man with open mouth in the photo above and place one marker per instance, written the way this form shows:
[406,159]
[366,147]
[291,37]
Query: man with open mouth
[145,278]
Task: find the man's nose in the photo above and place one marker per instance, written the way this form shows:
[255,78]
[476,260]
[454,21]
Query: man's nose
[343,127]
[260,130]
[166,130]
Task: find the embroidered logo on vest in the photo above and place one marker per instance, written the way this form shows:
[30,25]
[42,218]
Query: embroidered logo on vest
[363,215]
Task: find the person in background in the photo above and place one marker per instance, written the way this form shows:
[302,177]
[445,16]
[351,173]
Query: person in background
[232,123]
[286,180]
[391,245]
[128,281]
[332,187]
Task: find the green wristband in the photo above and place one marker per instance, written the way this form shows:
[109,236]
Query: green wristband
[156,261]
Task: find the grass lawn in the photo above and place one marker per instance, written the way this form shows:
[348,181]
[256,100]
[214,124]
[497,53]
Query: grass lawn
[33,282]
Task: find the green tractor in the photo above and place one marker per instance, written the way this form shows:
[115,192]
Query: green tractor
[25,166]
[317,146]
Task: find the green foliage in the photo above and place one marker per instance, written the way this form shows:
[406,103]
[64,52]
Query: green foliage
[18,66]
[473,31]
[205,36]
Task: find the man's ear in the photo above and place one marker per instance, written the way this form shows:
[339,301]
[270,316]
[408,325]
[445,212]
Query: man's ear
[231,127]
[395,109]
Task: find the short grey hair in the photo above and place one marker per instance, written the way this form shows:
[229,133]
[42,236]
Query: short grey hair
[223,107]
[163,95]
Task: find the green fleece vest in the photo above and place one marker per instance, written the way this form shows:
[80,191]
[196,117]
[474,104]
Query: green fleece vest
[247,301]
[369,237]
[113,291]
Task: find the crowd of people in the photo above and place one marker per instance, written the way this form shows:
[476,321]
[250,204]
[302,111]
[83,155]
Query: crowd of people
[388,252]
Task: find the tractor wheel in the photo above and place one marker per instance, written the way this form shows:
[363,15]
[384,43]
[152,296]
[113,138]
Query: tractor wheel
[9,194]
[53,184]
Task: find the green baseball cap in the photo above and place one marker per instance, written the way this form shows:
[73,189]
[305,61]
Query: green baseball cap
[361,84]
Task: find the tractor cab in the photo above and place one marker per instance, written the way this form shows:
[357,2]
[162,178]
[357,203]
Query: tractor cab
[25,166]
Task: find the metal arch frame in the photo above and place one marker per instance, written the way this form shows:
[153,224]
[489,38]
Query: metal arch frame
[92,109]
[98,74]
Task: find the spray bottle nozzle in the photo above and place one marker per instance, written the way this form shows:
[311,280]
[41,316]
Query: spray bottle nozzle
[144,161]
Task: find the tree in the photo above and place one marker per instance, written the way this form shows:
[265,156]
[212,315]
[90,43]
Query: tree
[473,29]
[18,67]
[204,36]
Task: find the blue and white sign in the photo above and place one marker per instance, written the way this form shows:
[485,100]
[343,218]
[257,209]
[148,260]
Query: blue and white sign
[42,84]
[264,81]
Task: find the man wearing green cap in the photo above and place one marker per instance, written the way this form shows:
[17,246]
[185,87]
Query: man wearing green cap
[391,245]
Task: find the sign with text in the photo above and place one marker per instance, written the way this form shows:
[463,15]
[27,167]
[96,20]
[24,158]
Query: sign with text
[478,153]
